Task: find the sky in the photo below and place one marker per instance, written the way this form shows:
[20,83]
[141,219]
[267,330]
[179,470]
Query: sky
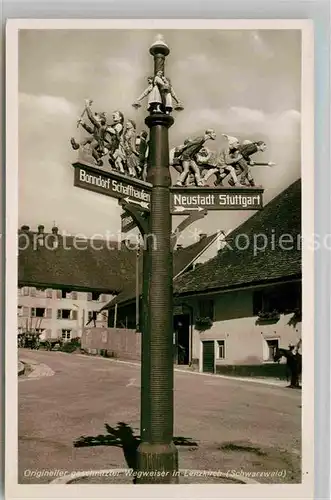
[245,83]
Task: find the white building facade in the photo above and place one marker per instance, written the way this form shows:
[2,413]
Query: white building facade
[58,313]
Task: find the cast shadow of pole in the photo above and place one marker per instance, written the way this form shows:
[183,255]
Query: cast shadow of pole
[122,436]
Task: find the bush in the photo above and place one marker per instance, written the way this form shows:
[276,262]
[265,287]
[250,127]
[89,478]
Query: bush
[71,346]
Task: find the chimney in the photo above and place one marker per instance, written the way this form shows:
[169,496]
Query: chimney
[25,228]
[41,229]
[202,236]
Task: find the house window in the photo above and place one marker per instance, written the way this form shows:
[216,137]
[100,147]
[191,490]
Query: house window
[74,295]
[25,311]
[74,314]
[63,294]
[95,295]
[66,334]
[26,290]
[206,308]
[33,292]
[273,344]
[40,312]
[282,298]
[221,349]
[63,313]
[49,294]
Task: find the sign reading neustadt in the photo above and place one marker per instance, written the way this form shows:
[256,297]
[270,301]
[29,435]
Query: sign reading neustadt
[113,184]
[198,198]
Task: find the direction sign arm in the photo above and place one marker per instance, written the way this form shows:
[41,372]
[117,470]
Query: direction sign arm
[193,217]
[141,222]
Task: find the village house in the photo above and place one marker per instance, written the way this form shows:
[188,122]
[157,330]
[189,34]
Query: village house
[239,306]
[246,302]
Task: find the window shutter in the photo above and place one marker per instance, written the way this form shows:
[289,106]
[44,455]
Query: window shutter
[33,292]
[74,295]
[59,314]
[33,312]
[74,314]
[89,295]
[25,311]
[49,293]
[48,313]
[59,294]
[26,290]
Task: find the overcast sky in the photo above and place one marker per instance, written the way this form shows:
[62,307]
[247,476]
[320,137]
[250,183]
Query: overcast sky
[240,82]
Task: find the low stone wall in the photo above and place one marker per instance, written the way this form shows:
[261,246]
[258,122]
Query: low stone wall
[112,342]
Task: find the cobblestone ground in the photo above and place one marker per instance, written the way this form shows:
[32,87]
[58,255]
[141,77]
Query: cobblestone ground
[221,425]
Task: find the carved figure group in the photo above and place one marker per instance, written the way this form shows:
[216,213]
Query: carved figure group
[194,159]
[127,152]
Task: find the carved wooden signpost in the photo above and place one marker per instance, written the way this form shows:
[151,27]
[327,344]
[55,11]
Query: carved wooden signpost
[149,204]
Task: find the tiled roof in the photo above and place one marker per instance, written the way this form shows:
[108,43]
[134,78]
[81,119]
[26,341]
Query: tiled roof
[238,267]
[105,266]
[106,269]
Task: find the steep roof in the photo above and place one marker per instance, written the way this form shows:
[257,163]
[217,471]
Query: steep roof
[235,267]
[102,265]
[183,258]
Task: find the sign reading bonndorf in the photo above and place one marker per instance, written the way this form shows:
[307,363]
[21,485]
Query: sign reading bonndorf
[113,184]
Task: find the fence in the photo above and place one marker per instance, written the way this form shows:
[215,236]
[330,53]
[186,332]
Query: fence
[112,342]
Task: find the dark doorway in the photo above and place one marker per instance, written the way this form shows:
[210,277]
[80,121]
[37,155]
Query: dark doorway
[182,339]
[208,356]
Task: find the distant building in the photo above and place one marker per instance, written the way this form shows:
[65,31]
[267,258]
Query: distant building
[58,313]
[63,281]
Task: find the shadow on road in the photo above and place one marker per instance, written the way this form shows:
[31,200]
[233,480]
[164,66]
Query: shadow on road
[122,436]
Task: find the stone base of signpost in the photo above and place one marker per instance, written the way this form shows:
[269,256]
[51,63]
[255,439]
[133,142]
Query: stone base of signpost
[159,459]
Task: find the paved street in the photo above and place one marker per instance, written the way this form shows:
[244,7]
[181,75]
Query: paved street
[228,424]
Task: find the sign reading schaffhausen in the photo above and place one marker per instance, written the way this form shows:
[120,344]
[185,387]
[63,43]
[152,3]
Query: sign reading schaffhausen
[112,184]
